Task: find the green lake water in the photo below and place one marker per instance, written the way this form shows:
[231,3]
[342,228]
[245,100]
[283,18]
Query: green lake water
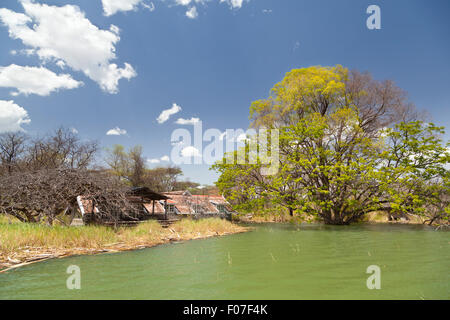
[272,262]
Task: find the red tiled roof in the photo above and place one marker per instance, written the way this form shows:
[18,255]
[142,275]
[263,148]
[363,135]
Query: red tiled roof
[184,202]
[159,208]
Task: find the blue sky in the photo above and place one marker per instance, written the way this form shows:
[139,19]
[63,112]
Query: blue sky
[212,64]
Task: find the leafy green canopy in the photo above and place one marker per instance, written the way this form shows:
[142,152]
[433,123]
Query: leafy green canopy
[348,146]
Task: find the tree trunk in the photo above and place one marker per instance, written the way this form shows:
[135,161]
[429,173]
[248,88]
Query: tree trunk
[291,212]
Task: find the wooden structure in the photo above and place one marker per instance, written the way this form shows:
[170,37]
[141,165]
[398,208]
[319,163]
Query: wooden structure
[166,208]
[184,204]
[142,198]
[145,196]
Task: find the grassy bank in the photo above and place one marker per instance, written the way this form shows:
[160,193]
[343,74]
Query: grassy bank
[23,243]
[381,217]
[284,217]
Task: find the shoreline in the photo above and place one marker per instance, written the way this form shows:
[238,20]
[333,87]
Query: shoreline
[373,217]
[121,247]
[27,255]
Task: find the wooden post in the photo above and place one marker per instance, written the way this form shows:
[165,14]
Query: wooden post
[165,209]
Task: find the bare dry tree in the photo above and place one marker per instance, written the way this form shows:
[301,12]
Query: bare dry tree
[62,149]
[380,103]
[41,178]
[12,150]
[45,195]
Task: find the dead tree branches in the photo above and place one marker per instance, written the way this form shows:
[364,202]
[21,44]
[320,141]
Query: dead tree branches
[43,195]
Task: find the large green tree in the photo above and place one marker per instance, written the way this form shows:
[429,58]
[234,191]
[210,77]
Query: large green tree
[348,145]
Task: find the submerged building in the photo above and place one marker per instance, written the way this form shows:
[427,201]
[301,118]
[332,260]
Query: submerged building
[163,206]
[183,203]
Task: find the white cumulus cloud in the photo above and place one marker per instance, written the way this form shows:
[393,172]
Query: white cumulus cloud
[190,151]
[166,114]
[187,121]
[162,159]
[183,2]
[192,13]
[111,7]
[12,116]
[235,4]
[153,161]
[116,132]
[35,80]
[64,33]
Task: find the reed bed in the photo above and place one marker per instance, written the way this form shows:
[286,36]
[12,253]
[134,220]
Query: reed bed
[24,242]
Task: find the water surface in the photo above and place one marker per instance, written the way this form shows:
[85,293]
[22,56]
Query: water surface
[273,262]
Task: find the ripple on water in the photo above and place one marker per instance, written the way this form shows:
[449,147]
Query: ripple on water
[272,262]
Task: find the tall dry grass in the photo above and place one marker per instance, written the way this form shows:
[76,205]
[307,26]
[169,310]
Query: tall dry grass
[190,226]
[16,236]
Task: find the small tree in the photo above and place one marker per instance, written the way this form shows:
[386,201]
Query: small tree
[127,165]
[162,179]
[416,171]
[12,151]
[63,148]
